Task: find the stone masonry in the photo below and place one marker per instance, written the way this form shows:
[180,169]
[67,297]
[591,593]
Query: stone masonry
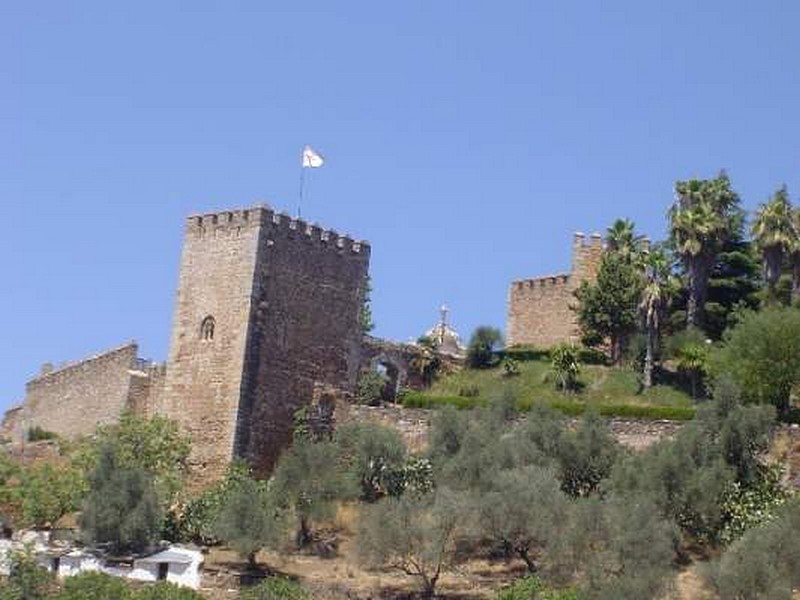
[74,398]
[267,314]
[267,320]
[540,310]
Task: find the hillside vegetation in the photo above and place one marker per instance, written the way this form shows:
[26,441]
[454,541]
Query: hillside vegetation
[612,391]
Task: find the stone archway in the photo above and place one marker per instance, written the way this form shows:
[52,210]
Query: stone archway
[393,371]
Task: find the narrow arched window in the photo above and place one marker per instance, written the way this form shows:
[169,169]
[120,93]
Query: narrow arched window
[207,328]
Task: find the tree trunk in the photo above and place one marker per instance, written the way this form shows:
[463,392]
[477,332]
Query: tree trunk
[529,562]
[698,268]
[616,349]
[429,586]
[772,260]
[647,375]
[795,278]
[304,535]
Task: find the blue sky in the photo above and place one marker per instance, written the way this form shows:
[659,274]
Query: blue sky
[465,140]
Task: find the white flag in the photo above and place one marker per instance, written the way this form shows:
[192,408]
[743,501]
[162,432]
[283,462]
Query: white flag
[311,158]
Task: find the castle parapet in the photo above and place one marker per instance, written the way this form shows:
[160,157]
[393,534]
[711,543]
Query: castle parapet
[543,281]
[232,222]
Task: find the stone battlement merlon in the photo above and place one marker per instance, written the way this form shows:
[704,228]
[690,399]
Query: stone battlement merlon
[557,279]
[579,240]
[264,215]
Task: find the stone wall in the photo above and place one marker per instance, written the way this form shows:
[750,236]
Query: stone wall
[540,310]
[74,399]
[283,298]
[203,384]
[305,331]
[414,425]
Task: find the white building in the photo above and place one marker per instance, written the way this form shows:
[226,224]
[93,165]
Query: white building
[176,564]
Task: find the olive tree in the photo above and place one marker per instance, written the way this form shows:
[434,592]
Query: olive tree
[249,519]
[414,534]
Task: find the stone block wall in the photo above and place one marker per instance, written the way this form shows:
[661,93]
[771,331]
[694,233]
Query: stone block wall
[203,384]
[283,298]
[74,399]
[305,331]
[540,310]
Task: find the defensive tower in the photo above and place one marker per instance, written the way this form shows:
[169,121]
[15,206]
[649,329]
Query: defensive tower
[267,313]
[540,309]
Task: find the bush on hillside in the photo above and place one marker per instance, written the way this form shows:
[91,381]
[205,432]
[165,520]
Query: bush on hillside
[249,520]
[95,586]
[565,367]
[37,434]
[309,479]
[483,346]
[122,509]
[275,588]
[373,454]
[764,562]
[762,355]
[369,389]
[415,534]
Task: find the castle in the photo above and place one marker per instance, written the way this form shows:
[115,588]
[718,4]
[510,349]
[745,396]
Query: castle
[267,320]
[540,310]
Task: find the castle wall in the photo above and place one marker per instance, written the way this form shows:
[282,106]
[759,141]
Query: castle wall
[73,400]
[203,384]
[540,310]
[146,394]
[305,331]
[285,299]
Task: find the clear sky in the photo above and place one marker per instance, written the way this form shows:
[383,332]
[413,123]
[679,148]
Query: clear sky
[465,140]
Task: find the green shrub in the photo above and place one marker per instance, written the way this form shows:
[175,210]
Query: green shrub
[483,346]
[532,588]
[37,433]
[746,507]
[249,519]
[369,389]
[275,588]
[564,367]
[310,479]
[470,391]
[413,399]
[26,580]
[166,591]
[194,522]
[764,562]
[371,453]
[122,509]
[674,344]
[762,355]
[572,408]
[526,588]
[510,367]
[524,353]
[95,586]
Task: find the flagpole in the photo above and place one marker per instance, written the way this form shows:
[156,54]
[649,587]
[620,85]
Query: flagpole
[302,181]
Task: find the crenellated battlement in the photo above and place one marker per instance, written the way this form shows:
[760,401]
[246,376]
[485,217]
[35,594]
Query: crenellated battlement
[579,240]
[540,309]
[543,281]
[280,225]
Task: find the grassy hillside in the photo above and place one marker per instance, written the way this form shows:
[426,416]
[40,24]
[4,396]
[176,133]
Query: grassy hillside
[612,391]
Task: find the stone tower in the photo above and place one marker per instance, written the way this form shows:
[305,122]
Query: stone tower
[540,309]
[267,314]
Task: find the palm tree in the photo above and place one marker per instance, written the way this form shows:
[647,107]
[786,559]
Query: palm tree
[622,239]
[794,255]
[656,295]
[774,234]
[705,214]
